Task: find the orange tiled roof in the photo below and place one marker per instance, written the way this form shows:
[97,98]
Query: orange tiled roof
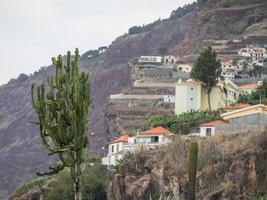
[213,123]
[192,81]
[249,86]
[123,138]
[238,106]
[158,131]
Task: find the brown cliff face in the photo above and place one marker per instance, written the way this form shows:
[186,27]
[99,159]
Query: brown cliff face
[229,167]
[20,150]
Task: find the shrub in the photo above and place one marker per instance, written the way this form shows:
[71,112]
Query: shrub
[93,185]
[23,77]
[184,122]
[181,11]
[29,185]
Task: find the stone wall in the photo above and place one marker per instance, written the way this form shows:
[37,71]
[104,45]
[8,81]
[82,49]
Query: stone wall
[243,124]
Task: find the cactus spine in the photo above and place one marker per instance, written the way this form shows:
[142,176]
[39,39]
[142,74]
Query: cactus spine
[192,170]
[63,116]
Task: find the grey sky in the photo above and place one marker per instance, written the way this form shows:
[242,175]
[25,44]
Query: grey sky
[31,31]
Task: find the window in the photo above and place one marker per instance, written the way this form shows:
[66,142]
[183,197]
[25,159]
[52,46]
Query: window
[112,148]
[208,131]
[155,139]
[191,99]
[192,88]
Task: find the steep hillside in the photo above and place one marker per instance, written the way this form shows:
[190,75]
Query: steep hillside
[20,151]
[229,167]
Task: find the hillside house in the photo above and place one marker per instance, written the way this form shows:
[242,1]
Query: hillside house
[153,137]
[243,120]
[115,150]
[184,68]
[190,95]
[209,129]
[249,88]
[150,60]
[169,59]
[254,53]
[145,140]
[251,110]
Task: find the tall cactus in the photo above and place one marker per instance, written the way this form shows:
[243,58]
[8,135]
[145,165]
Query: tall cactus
[63,116]
[192,170]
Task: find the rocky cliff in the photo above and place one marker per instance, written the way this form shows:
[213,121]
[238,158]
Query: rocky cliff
[20,150]
[229,167]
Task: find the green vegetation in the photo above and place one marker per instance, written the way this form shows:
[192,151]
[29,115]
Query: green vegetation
[95,53]
[259,198]
[29,185]
[23,77]
[207,69]
[63,116]
[93,185]
[142,29]
[184,122]
[192,170]
[181,11]
[256,97]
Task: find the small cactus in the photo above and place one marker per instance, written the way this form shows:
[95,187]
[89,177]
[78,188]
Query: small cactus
[192,170]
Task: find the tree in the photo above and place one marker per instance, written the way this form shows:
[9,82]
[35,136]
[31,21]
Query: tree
[207,69]
[192,170]
[63,116]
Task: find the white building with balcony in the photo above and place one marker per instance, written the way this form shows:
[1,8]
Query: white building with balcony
[145,140]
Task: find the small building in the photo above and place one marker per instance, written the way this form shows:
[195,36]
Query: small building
[153,137]
[248,88]
[184,68]
[169,99]
[234,107]
[145,140]
[150,60]
[260,108]
[229,74]
[209,129]
[115,150]
[169,59]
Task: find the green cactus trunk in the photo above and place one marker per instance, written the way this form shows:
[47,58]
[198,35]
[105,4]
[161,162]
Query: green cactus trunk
[63,116]
[192,170]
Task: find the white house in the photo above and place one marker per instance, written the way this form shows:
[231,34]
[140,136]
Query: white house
[169,99]
[184,68]
[115,151]
[208,129]
[145,140]
[153,137]
[169,59]
[150,59]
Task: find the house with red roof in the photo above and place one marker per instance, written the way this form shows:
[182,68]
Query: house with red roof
[153,137]
[149,139]
[115,150]
[208,129]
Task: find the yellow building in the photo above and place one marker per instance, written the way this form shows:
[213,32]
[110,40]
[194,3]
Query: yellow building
[190,96]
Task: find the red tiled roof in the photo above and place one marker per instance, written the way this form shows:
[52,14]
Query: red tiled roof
[192,81]
[238,106]
[213,123]
[249,86]
[123,138]
[156,131]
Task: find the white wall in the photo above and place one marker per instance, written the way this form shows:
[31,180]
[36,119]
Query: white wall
[203,131]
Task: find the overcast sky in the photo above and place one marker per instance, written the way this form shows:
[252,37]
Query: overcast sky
[32,31]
